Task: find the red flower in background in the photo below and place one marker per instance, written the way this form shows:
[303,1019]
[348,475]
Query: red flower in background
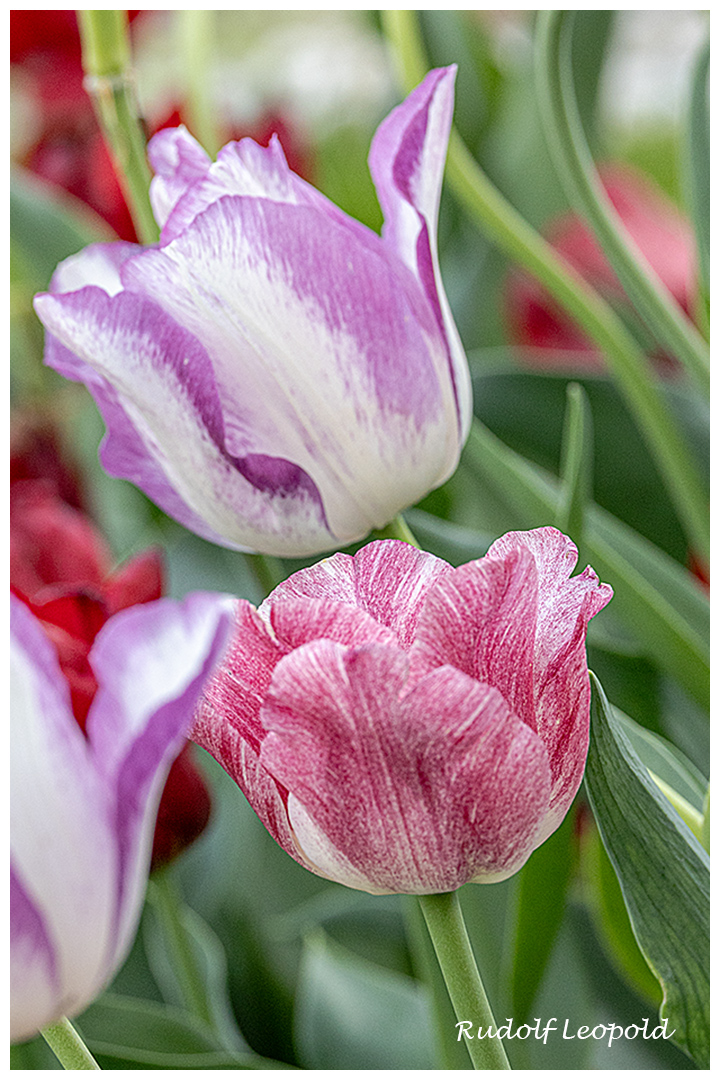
[660,232]
[62,568]
[69,150]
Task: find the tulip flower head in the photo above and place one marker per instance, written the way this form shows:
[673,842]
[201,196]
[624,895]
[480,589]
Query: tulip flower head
[273,374]
[83,806]
[402,726]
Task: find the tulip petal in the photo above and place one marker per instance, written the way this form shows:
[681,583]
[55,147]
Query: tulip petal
[242,168]
[388,579]
[34,988]
[178,161]
[482,618]
[151,662]
[401,792]
[562,685]
[155,386]
[323,349]
[407,160]
[61,850]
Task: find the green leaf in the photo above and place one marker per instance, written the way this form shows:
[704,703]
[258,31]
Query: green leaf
[576,467]
[665,761]
[351,1014]
[664,875]
[123,1032]
[542,888]
[47,225]
[657,599]
[604,899]
[208,962]
[698,165]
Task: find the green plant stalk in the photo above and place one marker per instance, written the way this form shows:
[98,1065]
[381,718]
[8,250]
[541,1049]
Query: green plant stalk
[577,172]
[192,984]
[509,230]
[196,46]
[109,82]
[67,1046]
[454,952]
[576,467]
[397,529]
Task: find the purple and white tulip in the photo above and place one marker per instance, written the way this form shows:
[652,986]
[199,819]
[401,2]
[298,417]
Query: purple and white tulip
[83,809]
[402,726]
[273,374]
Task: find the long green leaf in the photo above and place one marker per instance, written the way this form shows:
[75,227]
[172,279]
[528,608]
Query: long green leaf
[698,165]
[654,596]
[664,874]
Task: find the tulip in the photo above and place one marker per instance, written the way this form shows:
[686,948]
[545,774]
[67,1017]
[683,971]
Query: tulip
[661,234]
[402,726]
[275,375]
[83,806]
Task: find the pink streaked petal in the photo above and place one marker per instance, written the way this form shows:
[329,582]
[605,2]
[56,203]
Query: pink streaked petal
[178,162]
[417,792]
[233,697]
[323,350]
[481,618]
[388,579]
[297,621]
[407,161]
[562,691]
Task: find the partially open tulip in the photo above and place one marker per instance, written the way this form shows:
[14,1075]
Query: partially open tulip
[402,726]
[83,806]
[275,375]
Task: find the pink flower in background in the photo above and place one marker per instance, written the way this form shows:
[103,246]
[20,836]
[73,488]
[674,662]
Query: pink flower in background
[402,726]
[83,806]
[274,375]
[662,235]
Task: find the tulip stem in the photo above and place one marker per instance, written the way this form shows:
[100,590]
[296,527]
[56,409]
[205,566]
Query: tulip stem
[109,82]
[67,1046]
[454,952]
[397,529]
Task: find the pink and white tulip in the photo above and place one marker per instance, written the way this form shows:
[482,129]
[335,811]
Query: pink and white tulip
[402,726]
[83,808]
[273,374]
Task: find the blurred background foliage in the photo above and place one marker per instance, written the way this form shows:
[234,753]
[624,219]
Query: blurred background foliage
[303,972]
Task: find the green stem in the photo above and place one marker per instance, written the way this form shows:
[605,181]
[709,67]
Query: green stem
[397,529]
[109,82]
[576,169]
[629,366]
[164,896]
[196,46]
[67,1046]
[452,945]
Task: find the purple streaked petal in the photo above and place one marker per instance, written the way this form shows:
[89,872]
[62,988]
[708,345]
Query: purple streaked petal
[416,791]
[407,161]
[98,264]
[34,986]
[388,579]
[178,162]
[61,848]
[322,349]
[155,386]
[151,662]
